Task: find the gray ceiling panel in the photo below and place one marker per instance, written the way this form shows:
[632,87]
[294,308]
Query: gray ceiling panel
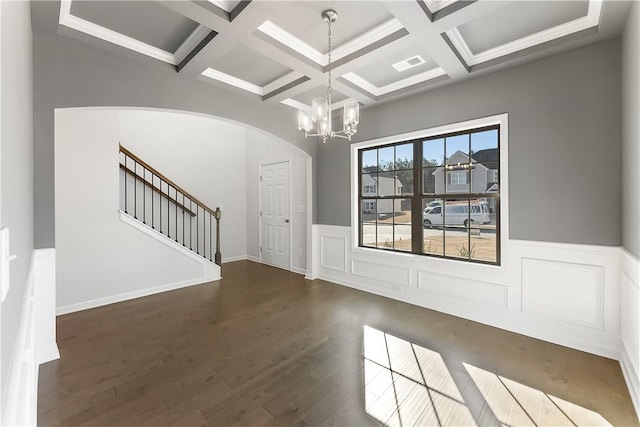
[519,19]
[145,21]
[250,66]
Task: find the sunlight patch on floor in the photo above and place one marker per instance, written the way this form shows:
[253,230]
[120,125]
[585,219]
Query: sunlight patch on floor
[406,385]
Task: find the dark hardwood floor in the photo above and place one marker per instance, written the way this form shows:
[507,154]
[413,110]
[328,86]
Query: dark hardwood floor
[266,347]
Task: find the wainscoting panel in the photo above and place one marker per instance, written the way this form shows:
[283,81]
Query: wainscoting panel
[333,253]
[377,271]
[563,291]
[630,325]
[470,290]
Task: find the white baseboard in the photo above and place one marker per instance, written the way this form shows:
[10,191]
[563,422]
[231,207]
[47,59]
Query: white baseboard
[234,258]
[99,302]
[253,258]
[299,270]
[631,377]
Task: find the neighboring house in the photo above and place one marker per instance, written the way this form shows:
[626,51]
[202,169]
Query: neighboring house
[376,185]
[483,174]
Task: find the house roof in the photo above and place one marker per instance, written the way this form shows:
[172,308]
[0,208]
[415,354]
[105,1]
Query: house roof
[489,157]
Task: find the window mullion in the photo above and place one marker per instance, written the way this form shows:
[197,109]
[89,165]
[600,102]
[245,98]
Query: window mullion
[416,200]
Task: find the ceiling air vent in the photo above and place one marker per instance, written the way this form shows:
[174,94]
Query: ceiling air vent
[403,65]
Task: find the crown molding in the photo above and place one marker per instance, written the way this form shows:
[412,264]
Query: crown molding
[397,85]
[435,6]
[281,81]
[591,19]
[190,43]
[233,81]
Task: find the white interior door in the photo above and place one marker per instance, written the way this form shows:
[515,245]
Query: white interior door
[275,222]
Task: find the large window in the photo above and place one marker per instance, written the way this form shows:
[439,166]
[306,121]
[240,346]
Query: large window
[437,196]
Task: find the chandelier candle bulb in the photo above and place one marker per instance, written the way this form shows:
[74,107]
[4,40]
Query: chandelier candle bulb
[304,121]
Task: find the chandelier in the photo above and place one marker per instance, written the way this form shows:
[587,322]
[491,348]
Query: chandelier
[320,115]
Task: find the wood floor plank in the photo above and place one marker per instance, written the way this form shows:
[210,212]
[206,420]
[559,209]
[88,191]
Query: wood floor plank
[267,347]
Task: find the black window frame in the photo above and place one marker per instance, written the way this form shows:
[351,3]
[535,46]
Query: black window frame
[416,199]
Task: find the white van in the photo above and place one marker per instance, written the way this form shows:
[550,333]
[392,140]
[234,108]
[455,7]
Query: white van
[457,213]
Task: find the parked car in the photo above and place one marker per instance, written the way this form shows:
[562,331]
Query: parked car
[457,213]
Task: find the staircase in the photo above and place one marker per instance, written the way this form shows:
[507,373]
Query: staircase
[154,200]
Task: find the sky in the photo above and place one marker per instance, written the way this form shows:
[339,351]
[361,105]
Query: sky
[433,149]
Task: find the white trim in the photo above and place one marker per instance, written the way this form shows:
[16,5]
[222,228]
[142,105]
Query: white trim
[44,262]
[35,341]
[222,4]
[631,377]
[478,292]
[250,87]
[629,328]
[291,41]
[187,46]
[397,85]
[126,218]
[434,6]
[253,258]
[234,258]
[296,104]
[500,119]
[281,81]
[112,299]
[95,30]
[591,19]
[233,81]
[286,38]
[298,270]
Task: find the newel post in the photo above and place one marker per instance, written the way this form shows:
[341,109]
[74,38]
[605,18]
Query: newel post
[217,215]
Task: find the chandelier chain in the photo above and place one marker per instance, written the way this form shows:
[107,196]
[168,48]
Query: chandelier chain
[329,88]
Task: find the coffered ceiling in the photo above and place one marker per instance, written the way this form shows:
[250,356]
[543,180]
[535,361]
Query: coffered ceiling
[277,50]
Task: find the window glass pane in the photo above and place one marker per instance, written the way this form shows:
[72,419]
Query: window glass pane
[457,149]
[369,182]
[432,235]
[432,180]
[456,219]
[486,140]
[386,158]
[404,156]
[388,184]
[483,231]
[368,229]
[402,225]
[369,161]
[483,243]
[404,169]
[385,233]
[433,152]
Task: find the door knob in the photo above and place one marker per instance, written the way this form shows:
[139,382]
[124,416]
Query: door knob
[286,220]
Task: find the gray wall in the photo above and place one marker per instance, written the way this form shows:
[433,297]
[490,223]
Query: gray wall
[68,73]
[631,132]
[564,143]
[17,164]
